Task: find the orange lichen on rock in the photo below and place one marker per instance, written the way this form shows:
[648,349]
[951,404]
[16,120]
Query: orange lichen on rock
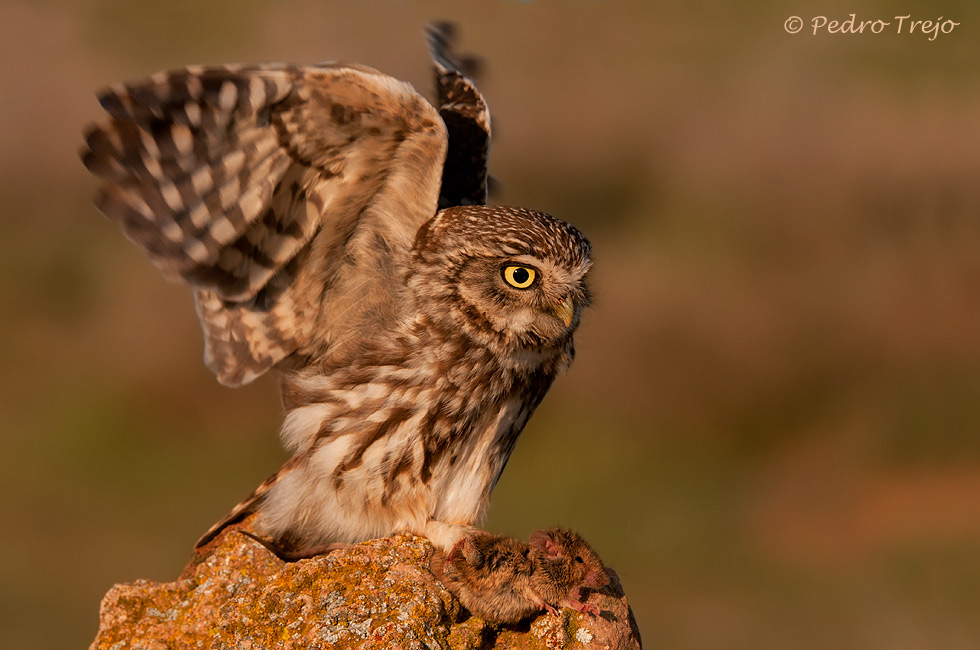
[379,594]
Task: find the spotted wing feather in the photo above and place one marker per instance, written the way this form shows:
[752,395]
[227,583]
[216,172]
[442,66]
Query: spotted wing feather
[276,191]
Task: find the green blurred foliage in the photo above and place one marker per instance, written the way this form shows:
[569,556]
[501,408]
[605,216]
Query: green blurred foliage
[772,428]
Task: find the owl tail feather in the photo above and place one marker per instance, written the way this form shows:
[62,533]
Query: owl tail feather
[247,506]
[237,514]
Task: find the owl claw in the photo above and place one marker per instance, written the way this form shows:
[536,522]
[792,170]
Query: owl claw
[456,550]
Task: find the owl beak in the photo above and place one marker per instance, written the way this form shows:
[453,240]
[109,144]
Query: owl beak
[565,310]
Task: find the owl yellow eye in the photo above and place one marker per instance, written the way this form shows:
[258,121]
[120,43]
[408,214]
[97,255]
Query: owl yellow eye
[519,277]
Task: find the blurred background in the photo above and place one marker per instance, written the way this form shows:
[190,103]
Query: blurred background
[772,428]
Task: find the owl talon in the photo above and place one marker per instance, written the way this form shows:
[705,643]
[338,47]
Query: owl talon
[456,551]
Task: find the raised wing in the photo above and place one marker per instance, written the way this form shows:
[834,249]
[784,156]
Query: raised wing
[467,118]
[278,192]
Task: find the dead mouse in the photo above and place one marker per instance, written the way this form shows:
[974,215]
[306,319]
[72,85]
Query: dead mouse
[504,580]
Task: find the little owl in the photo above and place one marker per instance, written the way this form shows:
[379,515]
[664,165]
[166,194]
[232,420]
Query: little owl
[333,225]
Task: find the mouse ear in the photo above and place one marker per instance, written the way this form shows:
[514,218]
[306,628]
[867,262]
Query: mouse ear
[544,541]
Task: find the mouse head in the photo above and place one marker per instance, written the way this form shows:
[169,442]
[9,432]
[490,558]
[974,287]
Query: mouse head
[582,564]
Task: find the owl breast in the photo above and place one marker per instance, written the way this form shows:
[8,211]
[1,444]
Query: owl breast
[384,445]
[466,481]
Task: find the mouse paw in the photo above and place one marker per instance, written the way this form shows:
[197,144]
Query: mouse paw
[585,608]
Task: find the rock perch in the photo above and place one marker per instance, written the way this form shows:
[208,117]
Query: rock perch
[379,594]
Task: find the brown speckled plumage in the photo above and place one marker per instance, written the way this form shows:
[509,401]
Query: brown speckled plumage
[302,206]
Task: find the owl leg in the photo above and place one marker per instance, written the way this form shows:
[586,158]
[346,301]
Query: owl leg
[445,536]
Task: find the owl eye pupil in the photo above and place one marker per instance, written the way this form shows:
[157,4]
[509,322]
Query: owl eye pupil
[519,277]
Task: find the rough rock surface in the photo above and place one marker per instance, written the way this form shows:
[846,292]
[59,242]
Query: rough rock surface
[379,594]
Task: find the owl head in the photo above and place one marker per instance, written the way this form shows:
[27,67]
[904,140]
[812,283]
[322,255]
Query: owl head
[509,278]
